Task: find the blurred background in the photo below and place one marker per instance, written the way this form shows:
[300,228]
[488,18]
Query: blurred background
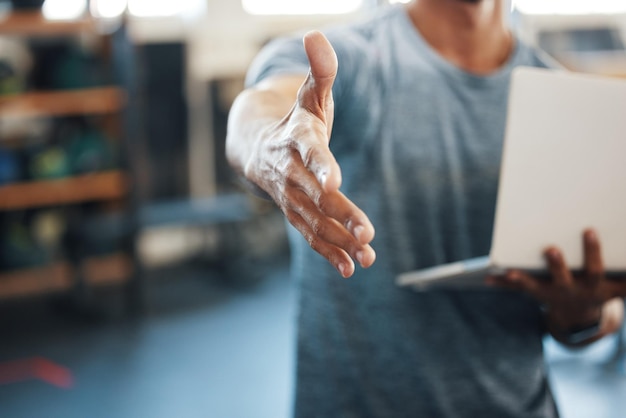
[137,279]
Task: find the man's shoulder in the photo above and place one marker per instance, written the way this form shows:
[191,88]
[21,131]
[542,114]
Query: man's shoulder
[363,31]
[351,40]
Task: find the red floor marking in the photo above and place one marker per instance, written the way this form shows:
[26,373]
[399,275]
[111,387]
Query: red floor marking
[53,374]
[36,368]
[15,371]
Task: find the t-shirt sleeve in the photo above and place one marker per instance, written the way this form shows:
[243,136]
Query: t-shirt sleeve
[280,56]
[287,56]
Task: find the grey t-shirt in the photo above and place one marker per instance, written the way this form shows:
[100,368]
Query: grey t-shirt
[419,143]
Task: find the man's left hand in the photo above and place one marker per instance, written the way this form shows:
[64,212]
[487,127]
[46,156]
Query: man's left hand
[573,300]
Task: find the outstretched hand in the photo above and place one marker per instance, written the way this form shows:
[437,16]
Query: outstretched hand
[294,165]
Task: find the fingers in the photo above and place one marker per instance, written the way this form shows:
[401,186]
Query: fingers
[519,281]
[318,159]
[561,275]
[333,225]
[594,266]
[322,231]
[616,288]
[335,205]
[338,257]
[328,237]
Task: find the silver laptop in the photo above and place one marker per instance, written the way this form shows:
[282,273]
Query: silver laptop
[563,170]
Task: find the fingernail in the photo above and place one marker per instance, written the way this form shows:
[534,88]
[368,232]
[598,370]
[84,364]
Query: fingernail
[358,231]
[360,256]
[343,269]
[591,235]
[323,179]
[552,254]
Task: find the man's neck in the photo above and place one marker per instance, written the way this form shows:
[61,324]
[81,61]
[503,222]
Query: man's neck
[472,35]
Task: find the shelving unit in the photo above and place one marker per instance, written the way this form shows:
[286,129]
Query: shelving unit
[33,23]
[91,101]
[59,277]
[48,279]
[109,185]
[79,270]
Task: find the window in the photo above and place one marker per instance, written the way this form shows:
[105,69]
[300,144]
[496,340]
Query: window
[581,40]
[300,7]
[64,9]
[74,9]
[160,8]
[107,9]
[570,6]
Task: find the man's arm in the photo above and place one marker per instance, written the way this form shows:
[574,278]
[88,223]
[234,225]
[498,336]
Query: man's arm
[254,112]
[278,136]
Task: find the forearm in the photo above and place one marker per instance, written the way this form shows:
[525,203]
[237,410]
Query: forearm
[611,316]
[253,114]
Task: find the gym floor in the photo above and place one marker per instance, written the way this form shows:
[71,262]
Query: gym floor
[208,347]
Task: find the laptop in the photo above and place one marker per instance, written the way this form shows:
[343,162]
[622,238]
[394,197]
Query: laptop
[563,170]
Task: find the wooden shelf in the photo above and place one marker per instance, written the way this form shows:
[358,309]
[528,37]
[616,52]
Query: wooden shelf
[108,270]
[33,23]
[99,100]
[57,277]
[50,279]
[108,185]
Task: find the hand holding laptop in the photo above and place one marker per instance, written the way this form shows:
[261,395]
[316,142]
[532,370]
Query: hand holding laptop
[587,303]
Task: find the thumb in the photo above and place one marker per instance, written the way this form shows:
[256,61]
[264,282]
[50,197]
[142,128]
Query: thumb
[316,92]
[315,96]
